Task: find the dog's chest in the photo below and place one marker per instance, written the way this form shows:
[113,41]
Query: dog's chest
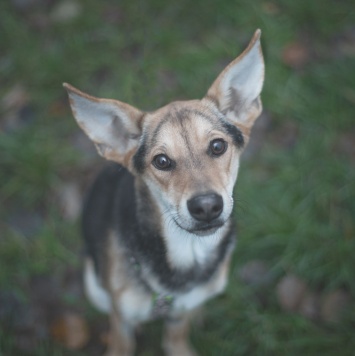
[191,270]
[141,294]
[141,304]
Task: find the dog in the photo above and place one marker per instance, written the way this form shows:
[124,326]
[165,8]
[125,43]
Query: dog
[157,222]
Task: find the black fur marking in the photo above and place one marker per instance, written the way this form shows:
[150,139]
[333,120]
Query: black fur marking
[235,133]
[97,211]
[139,157]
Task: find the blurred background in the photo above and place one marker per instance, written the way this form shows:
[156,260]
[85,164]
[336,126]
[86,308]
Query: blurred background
[291,287]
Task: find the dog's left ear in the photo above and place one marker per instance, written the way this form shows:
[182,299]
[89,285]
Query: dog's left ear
[113,126]
[236,90]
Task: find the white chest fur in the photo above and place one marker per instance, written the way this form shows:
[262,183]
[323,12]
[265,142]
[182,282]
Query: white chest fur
[138,304]
[185,250]
[198,295]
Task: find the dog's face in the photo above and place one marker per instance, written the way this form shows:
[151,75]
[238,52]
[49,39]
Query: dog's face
[189,158]
[186,152]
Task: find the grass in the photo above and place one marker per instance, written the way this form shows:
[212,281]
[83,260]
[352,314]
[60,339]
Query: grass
[295,201]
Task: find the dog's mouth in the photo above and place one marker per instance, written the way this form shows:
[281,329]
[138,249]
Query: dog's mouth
[203,229]
[206,229]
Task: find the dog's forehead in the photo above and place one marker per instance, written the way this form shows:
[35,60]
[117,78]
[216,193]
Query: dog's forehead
[181,128]
[182,118]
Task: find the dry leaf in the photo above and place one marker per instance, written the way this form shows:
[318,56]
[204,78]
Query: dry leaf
[71,330]
[295,55]
[15,98]
[271,8]
[254,272]
[290,292]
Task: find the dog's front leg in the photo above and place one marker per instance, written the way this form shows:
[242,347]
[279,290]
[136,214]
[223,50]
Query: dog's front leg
[121,337]
[176,337]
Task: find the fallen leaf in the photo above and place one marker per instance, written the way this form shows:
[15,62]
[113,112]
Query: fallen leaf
[16,97]
[295,55]
[271,8]
[58,108]
[255,273]
[71,330]
[290,292]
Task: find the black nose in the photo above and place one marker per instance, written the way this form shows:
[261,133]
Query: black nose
[205,207]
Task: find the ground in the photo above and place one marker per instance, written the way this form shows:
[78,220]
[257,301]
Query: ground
[291,287]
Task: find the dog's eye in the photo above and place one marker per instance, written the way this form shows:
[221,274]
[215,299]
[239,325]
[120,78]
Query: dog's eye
[218,147]
[162,162]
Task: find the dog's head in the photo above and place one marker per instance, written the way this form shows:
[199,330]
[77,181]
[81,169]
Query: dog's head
[187,152]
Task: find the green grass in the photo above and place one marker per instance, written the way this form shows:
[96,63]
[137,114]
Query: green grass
[295,204]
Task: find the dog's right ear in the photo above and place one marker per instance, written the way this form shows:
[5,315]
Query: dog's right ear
[113,126]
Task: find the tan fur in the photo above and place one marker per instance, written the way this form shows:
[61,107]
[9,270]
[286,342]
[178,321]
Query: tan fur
[175,342]
[121,342]
[221,276]
[119,283]
[116,275]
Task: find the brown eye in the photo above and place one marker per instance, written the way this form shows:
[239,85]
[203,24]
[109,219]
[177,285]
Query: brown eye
[218,147]
[162,162]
